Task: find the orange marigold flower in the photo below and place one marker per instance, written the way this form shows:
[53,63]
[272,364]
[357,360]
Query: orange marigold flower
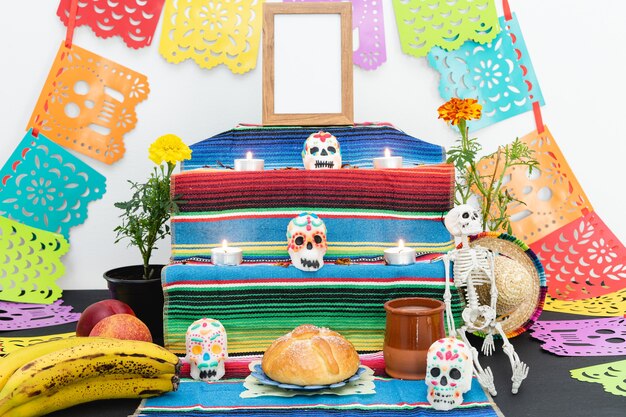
[456,109]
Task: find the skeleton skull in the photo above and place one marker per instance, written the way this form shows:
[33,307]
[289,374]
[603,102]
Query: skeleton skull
[321,150]
[448,373]
[463,220]
[206,349]
[306,236]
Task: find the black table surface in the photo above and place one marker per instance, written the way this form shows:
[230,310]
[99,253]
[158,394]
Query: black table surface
[549,390]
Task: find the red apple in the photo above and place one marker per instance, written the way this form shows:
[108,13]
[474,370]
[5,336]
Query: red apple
[122,326]
[97,311]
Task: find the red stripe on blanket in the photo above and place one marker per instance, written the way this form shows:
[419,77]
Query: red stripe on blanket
[261,215]
[428,188]
[238,366]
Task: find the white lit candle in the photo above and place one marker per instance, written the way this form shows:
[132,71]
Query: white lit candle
[226,255]
[388,161]
[400,255]
[249,163]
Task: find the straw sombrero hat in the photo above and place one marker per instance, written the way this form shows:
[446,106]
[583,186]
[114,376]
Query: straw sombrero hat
[520,280]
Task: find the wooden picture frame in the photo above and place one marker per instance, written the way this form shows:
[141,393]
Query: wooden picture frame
[307,73]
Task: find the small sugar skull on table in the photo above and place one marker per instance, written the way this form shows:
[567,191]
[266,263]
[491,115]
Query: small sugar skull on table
[448,373]
[207,349]
[321,151]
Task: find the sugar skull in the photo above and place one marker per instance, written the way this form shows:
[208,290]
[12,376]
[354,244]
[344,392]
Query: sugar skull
[321,151]
[306,236]
[448,373]
[206,349]
[463,220]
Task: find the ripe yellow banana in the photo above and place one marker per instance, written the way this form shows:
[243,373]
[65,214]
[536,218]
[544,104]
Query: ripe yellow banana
[94,357]
[95,388]
[14,360]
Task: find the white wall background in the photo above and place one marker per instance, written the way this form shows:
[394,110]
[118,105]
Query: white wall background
[577,51]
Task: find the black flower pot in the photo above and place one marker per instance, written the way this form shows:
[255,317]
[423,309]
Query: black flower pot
[144,296]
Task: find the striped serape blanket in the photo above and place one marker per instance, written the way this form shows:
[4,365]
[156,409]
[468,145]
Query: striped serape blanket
[393,397]
[259,303]
[365,211]
[281,147]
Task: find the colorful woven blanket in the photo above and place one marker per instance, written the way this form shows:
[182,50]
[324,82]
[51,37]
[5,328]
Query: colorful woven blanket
[259,303]
[392,398]
[365,211]
[281,147]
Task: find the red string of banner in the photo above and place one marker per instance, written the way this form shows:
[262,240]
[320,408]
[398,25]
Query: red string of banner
[71,24]
[506,9]
[538,118]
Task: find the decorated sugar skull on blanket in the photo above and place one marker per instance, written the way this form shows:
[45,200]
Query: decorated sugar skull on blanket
[206,349]
[321,151]
[448,373]
[306,240]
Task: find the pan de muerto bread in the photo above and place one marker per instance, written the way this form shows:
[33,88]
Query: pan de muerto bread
[310,355]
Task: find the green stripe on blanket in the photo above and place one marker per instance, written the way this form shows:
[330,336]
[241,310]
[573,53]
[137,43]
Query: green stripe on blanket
[263,304]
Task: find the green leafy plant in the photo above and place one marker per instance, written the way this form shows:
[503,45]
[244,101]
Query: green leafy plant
[487,188]
[144,216]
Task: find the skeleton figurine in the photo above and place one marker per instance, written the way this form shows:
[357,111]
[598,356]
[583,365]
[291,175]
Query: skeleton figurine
[473,267]
[207,349]
[306,242]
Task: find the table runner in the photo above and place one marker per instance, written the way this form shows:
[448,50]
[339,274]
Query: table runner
[393,398]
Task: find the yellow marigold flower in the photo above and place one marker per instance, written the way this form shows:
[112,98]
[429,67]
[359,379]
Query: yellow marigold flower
[169,148]
[456,109]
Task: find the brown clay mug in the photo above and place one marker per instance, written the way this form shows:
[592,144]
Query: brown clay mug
[413,324]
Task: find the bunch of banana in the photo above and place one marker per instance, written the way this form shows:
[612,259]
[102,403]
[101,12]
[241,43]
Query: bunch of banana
[50,376]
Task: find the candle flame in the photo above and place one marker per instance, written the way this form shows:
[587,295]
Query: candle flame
[387,153]
[249,155]
[401,244]
[224,244]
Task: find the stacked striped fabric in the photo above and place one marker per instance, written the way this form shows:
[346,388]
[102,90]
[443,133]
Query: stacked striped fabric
[259,303]
[365,211]
[281,147]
